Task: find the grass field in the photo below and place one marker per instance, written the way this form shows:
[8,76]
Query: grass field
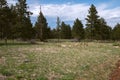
[58,61]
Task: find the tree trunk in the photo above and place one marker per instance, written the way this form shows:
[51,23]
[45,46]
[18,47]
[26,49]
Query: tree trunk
[5,40]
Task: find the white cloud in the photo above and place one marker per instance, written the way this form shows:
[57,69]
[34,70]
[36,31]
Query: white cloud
[109,13]
[12,2]
[112,16]
[69,12]
[65,11]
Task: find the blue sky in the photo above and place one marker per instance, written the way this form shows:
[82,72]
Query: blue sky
[69,10]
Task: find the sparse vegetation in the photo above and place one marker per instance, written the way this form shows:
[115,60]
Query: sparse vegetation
[58,61]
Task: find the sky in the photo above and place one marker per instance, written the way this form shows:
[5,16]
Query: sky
[69,10]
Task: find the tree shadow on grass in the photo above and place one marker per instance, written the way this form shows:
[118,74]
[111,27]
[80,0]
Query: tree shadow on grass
[13,44]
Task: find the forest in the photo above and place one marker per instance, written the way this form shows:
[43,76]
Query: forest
[15,23]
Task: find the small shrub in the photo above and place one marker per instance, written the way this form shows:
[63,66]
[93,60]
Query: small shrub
[19,76]
[116,44]
[6,72]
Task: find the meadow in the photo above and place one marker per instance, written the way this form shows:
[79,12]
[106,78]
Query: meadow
[58,61]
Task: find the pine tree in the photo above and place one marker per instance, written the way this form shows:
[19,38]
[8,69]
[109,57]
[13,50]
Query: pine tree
[78,30]
[65,31]
[58,28]
[69,32]
[41,27]
[54,34]
[92,23]
[24,26]
[3,16]
[104,30]
[116,32]
[49,33]
[15,20]
[5,20]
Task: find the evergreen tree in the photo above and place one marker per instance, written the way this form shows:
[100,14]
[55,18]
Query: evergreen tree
[58,28]
[104,31]
[78,30]
[69,32]
[24,28]
[54,34]
[65,31]
[116,32]
[41,27]
[49,33]
[13,21]
[5,20]
[3,16]
[92,23]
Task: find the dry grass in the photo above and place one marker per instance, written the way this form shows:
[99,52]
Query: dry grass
[59,61]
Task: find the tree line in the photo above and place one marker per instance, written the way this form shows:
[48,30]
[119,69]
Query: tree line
[15,23]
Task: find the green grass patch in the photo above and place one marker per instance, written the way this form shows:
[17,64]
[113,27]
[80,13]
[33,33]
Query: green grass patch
[58,61]
[116,44]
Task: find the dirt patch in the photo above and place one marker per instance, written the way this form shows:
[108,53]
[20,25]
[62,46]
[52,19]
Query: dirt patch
[29,49]
[117,46]
[115,75]
[2,77]
[53,76]
[2,60]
